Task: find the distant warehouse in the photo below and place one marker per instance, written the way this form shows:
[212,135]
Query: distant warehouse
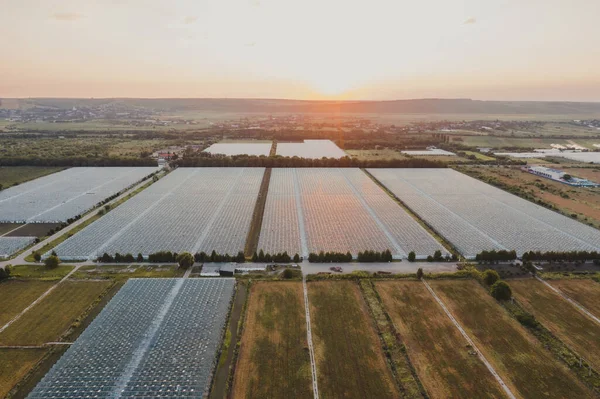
[559,176]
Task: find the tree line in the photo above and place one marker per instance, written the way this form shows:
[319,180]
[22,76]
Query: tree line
[283,257]
[554,256]
[208,160]
[495,256]
[330,257]
[77,161]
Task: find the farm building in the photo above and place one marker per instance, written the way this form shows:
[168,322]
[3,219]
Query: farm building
[559,176]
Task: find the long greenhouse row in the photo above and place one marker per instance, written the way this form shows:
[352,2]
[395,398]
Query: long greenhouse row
[325,209]
[192,209]
[475,216]
[156,338]
[66,194]
[337,210]
[12,245]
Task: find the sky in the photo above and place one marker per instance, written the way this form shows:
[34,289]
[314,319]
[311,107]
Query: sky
[301,49]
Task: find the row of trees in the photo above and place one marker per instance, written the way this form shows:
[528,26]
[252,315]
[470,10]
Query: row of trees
[76,161]
[554,256]
[284,257]
[216,257]
[495,256]
[118,258]
[330,257]
[375,256]
[205,160]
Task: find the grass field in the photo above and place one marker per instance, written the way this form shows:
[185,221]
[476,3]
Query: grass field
[11,175]
[49,319]
[14,366]
[274,360]
[444,362]
[121,272]
[480,156]
[577,331]
[350,362]
[16,295]
[585,292]
[525,365]
[41,271]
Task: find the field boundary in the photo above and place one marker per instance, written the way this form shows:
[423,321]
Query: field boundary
[470,341]
[571,301]
[311,350]
[257,216]
[408,382]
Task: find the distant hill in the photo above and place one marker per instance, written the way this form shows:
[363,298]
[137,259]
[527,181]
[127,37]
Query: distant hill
[418,106]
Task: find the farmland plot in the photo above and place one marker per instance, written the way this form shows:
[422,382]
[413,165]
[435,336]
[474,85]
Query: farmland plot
[191,209]
[444,362]
[63,195]
[350,362]
[313,149]
[524,364]
[585,292]
[341,210]
[576,330]
[19,294]
[273,360]
[475,216]
[65,303]
[155,338]
[12,245]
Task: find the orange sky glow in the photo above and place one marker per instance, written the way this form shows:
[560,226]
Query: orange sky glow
[310,49]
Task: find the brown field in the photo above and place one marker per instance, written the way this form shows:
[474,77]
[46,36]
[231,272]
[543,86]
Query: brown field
[33,230]
[16,295]
[350,361]
[274,361]
[15,364]
[576,330]
[585,292]
[525,365]
[440,354]
[50,318]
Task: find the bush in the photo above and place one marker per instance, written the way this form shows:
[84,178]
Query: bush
[140,258]
[420,273]
[490,277]
[527,319]
[290,274]
[411,256]
[52,262]
[5,272]
[501,291]
[185,260]
[296,258]
[37,257]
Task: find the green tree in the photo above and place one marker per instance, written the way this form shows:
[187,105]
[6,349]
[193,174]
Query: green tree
[52,262]
[501,291]
[567,177]
[420,273]
[185,260]
[296,258]
[140,258]
[412,256]
[37,257]
[490,277]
